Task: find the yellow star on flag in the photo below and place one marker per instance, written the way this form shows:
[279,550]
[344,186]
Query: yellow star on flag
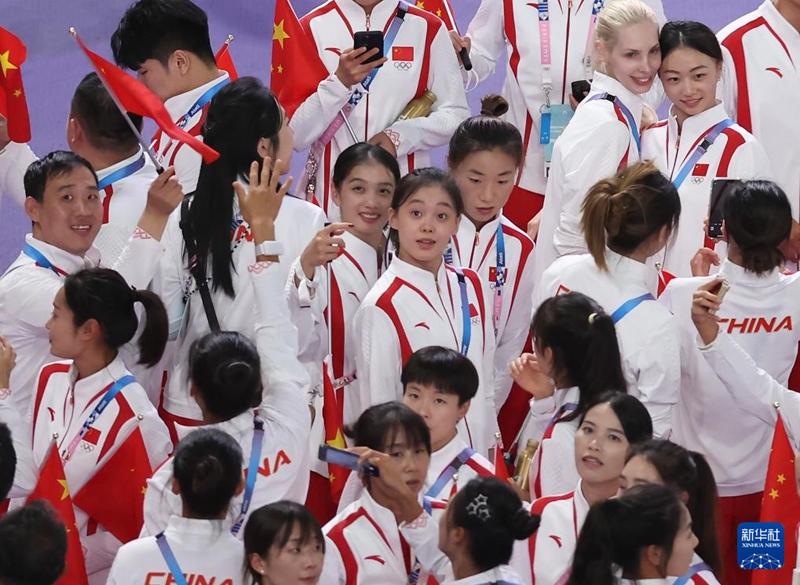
[5,63]
[781,478]
[331,478]
[773,494]
[17,92]
[439,12]
[337,441]
[421,4]
[63,484]
[144,490]
[280,68]
[278,34]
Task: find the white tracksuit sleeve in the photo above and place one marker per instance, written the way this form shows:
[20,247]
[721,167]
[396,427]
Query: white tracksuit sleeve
[377,356]
[333,572]
[315,114]
[422,536]
[306,310]
[14,161]
[487,33]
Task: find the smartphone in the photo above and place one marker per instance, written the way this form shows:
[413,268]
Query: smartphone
[716,205]
[580,89]
[371,39]
[720,291]
[345,459]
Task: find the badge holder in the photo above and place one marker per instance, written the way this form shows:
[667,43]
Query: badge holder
[554,118]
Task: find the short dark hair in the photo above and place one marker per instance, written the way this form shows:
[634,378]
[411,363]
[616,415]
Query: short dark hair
[33,546]
[687,33]
[8,461]
[362,153]
[445,369]
[155,29]
[380,424]
[54,164]
[105,126]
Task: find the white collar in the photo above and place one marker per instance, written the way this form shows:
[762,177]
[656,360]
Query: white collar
[86,389]
[782,27]
[626,269]
[695,126]
[467,229]
[235,426]
[179,105]
[365,255]
[581,506]
[62,259]
[500,573]
[357,18]
[419,277]
[604,84]
[735,273]
[441,459]
[103,173]
[195,533]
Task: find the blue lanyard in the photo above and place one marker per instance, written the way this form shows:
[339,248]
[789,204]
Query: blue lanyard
[201,101]
[120,174]
[39,258]
[632,124]
[693,570]
[172,562]
[465,318]
[708,140]
[629,306]
[449,472]
[568,407]
[252,472]
[500,276]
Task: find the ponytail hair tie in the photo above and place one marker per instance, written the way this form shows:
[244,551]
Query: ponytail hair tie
[592,318]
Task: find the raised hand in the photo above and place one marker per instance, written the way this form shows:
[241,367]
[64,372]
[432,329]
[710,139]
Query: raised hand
[525,372]
[260,201]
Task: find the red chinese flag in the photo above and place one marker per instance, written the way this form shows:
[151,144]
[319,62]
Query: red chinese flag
[52,487]
[332,420]
[440,8]
[134,97]
[780,504]
[296,68]
[500,468]
[13,104]
[225,61]
[124,475]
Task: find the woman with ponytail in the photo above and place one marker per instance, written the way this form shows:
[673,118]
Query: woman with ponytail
[208,474]
[247,126]
[665,463]
[644,536]
[90,407]
[627,219]
[577,359]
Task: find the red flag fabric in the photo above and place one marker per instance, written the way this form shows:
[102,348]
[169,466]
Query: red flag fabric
[134,97]
[500,467]
[225,61]
[780,504]
[124,475]
[332,421]
[296,68]
[13,104]
[52,487]
[440,8]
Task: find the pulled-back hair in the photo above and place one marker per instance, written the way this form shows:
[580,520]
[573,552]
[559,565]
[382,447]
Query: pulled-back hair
[486,132]
[615,16]
[686,33]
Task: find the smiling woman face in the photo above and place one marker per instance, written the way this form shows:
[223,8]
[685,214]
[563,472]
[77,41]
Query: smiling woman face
[690,79]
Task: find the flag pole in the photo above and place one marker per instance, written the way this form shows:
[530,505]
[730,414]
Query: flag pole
[147,149]
[463,53]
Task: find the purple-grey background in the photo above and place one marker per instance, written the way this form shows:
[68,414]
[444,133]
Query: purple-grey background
[55,64]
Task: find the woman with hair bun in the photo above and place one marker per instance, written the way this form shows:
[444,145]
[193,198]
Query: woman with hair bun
[627,219]
[196,543]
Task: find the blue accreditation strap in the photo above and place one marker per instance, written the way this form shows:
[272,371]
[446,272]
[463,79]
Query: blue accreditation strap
[701,149]
[633,126]
[201,101]
[500,276]
[252,472]
[465,318]
[629,306]
[568,407]
[172,562]
[449,472]
[693,570]
[394,28]
[120,174]
[39,258]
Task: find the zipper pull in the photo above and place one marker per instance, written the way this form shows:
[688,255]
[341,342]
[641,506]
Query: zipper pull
[569,5]
[368,17]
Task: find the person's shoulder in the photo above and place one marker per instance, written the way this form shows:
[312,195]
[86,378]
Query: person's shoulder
[741,25]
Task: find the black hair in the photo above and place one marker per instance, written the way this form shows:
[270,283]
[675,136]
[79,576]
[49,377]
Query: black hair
[362,153]
[101,120]
[583,340]
[54,164]
[208,467]
[8,461]
[632,414]
[272,525]
[419,179]
[33,545]
[493,516]
[103,295]
[155,29]
[623,211]
[240,115]
[617,530]
[445,369]
[758,218]
[687,33]
[226,370]
[379,425]
[687,471]
[486,133]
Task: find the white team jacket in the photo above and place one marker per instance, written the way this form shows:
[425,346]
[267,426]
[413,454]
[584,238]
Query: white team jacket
[595,144]
[648,335]
[283,470]
[62,405]
[205,550]
[759,86]
[295,226]
[187,162]
[478,250]
[514,24]
[408,309]
[734,155]
[428,62]
[476,466]
[26,301]
[14,161]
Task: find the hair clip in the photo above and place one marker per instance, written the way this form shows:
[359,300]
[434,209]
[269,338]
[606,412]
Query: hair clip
[479,507]
[592,318]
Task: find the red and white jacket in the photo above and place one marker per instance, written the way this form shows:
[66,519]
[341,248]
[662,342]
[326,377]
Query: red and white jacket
[421,58]
[477,249]
[760,85]
[408,309]
[476,466]
[514,25]
[735,154]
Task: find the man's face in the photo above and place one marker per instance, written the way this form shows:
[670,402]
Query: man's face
[162,81]
[70,213]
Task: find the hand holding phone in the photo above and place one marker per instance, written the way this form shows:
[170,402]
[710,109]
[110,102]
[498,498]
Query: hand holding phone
[580,89]
[346,459]
[370,39]
[716,205]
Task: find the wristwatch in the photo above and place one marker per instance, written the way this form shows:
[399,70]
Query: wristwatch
[269,248]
